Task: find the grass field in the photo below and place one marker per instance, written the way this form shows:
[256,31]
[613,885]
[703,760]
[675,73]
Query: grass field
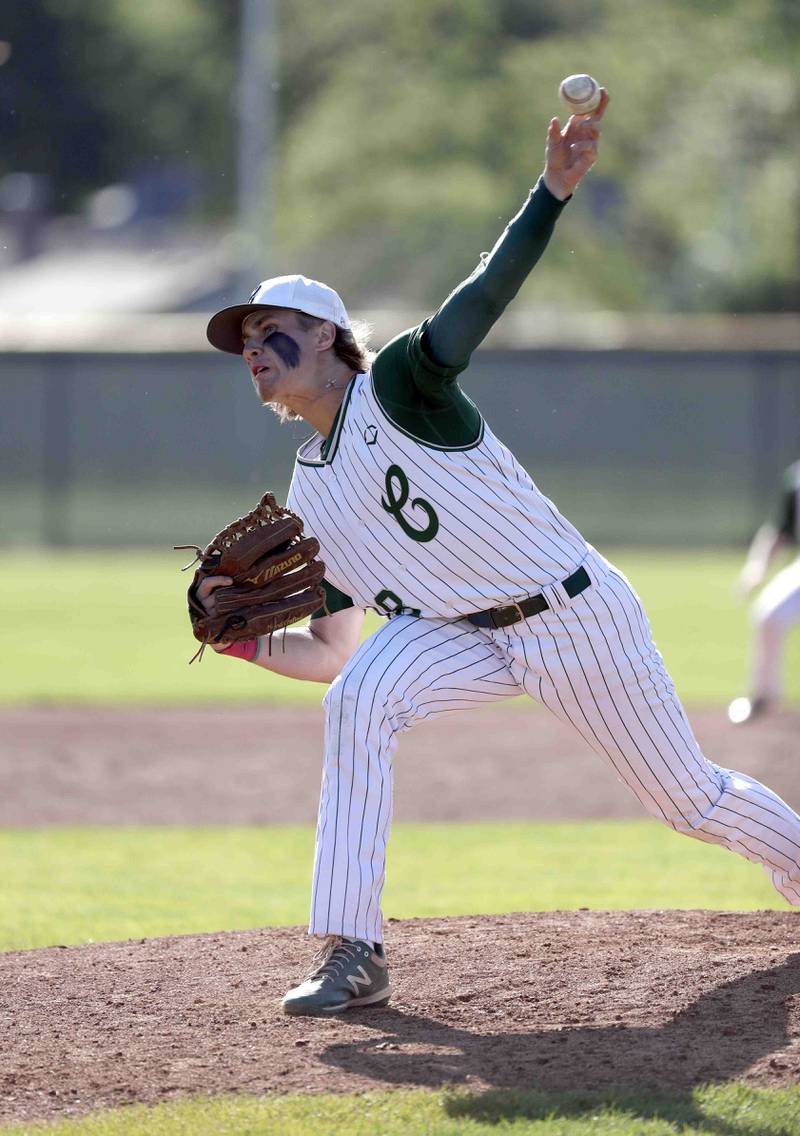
[105,627]
[77,885]
[725,1110]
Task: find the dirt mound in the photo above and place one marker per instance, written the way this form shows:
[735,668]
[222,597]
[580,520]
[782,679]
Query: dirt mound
[664,999]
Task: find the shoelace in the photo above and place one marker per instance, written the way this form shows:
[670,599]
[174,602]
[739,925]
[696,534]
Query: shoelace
[331,957]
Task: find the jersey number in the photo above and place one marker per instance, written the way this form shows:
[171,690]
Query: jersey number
[395,501]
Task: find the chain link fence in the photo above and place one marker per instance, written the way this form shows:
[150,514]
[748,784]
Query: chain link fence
[675,445]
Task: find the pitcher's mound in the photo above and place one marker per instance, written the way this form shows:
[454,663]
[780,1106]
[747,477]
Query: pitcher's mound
[551,1001]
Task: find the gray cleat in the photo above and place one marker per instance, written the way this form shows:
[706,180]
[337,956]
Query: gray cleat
[344,973]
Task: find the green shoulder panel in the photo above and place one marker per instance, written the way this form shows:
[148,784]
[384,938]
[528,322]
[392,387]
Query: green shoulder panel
[334,601]
[422,398]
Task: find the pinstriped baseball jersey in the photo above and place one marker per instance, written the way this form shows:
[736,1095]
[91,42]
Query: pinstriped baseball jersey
[439,531]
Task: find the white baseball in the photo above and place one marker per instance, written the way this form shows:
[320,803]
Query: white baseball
[580,94]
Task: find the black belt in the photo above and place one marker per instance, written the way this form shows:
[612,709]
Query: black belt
[515,612]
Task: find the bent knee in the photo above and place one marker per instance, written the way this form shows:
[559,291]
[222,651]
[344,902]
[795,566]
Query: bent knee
[685,825]
[339,694]
[355,696]
[695,807]
[774,622]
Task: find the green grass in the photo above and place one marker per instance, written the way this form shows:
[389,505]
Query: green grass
[110,627]
[79,885]
[724,1110]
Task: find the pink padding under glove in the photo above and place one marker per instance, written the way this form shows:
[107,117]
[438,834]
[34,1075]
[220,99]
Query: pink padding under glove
[247,650]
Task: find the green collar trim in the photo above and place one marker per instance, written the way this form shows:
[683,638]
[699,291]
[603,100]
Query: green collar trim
[327,450]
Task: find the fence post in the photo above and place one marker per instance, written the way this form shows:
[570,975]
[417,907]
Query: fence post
[765,433]
[57,439]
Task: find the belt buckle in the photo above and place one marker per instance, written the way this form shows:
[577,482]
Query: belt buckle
[512,613]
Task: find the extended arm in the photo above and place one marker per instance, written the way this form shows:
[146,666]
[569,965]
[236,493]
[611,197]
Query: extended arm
[467,315]
[766,544]
[773,536]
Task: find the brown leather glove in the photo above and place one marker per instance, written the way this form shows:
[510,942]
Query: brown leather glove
[276,576]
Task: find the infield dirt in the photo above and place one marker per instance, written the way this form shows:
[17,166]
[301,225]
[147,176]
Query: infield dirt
[261,765]
[551,1001]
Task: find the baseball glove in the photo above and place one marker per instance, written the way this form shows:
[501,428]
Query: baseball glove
[276,576]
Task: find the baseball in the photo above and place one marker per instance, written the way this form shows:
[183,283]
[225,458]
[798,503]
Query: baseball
[580,94]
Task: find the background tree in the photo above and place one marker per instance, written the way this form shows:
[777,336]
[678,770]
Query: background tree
[410,131]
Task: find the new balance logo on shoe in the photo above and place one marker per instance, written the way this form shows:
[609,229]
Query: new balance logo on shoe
[345,973]
[358,980]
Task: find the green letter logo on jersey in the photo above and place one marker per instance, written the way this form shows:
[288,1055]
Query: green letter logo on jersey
[397,494]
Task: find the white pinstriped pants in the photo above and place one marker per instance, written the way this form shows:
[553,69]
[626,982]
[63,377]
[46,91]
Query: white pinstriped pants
[592,662]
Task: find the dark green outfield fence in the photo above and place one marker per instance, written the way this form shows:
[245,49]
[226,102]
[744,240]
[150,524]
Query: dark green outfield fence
[637,445]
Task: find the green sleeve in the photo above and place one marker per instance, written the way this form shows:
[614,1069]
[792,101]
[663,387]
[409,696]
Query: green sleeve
[415,375]
[421,397]
[469,312]
[334,601]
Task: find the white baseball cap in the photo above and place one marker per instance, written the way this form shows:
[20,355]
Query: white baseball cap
[298,292]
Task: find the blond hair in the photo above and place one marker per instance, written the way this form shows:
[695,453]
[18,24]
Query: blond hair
[350,344]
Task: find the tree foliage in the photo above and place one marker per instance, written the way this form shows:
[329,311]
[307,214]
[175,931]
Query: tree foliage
[95,90]
[410,130]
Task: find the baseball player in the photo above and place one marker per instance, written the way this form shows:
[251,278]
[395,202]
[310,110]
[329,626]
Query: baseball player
[425,516]
[777,608]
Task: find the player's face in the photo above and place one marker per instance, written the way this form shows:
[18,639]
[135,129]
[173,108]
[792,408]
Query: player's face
[279,355]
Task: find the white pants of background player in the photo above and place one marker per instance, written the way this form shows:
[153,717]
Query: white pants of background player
[775,611]
[592,662]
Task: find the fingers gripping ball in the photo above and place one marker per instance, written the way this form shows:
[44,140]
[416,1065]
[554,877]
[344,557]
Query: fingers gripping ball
[580,94]
[276,576]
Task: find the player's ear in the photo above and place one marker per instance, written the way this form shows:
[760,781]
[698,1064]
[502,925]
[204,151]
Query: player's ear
[325,335]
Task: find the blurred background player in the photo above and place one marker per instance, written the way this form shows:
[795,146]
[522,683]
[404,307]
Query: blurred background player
[777,608]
